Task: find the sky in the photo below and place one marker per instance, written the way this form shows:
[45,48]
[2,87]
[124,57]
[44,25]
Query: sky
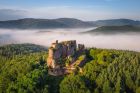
[88,10]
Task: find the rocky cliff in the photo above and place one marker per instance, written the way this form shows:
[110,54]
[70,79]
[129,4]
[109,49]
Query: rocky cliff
[61,52]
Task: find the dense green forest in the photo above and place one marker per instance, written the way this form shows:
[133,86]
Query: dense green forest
[23,69]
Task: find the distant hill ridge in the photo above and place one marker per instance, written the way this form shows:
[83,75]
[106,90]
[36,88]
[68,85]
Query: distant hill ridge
[32,23]
[125,28]
[116,22]
[115,29]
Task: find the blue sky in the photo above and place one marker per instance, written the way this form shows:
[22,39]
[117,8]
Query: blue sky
[82,9]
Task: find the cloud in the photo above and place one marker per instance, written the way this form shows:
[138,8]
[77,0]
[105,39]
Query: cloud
[118,41]
[10,14]
[51,12]
[95,12]
[84,13]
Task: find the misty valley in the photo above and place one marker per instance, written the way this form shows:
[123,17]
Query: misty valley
[128,40]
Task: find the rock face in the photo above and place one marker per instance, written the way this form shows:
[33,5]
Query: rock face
[61,50]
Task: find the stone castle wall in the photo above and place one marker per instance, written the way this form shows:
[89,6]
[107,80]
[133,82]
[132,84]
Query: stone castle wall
[61,50]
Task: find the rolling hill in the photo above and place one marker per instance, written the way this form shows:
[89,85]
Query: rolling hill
[116,22]
[31,23]
[115,29]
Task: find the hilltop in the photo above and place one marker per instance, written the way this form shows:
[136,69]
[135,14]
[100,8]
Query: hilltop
[63,57]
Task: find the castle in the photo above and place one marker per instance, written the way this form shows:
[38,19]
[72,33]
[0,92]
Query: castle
[62,50]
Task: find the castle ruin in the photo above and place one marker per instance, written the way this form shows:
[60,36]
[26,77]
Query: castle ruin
[62,50]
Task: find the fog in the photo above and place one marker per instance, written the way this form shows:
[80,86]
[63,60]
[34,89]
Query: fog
[127,41]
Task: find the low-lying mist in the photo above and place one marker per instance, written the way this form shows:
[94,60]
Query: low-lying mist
[45,37]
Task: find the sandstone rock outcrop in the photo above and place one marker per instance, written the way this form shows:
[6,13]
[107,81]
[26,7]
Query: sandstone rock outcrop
[63,50]
[57,51]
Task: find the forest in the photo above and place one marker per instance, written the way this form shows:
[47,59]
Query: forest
[23,69]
